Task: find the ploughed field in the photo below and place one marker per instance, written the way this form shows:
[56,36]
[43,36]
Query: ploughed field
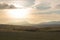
[29,35]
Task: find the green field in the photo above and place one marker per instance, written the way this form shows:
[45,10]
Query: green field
[29,35]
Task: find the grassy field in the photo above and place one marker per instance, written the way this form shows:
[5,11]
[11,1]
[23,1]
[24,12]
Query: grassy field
[29,35]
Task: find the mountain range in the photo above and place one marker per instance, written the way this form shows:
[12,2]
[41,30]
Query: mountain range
[49,24]
[53,25]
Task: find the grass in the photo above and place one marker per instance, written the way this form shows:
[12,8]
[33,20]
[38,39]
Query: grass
[29,35]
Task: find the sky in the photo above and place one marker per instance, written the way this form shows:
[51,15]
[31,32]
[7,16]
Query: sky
[39,11]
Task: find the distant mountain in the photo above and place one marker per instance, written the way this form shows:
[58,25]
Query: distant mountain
[52,22]
[49,24]
[46,26]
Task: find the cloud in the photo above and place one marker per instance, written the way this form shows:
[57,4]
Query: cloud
[44,11]
[35,19]
[43,6]
[6,6]
[58,6]
[48,12]
[47,4]
[28,3]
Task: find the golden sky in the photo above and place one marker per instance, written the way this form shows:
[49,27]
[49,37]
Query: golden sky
[38,11]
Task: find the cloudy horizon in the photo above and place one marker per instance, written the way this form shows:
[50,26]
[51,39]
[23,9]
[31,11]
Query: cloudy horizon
[38,11]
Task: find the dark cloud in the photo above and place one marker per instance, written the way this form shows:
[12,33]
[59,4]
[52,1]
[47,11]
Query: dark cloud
[43,6]
[6,6]
[11,7]
[58,6]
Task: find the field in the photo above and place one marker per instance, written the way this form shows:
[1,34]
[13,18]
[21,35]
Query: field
[29,35]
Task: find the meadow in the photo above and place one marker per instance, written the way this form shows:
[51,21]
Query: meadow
[29,35]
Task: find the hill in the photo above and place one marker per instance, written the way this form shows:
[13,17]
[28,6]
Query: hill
[46,26]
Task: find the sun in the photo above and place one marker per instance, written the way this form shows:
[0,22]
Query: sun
[18,13]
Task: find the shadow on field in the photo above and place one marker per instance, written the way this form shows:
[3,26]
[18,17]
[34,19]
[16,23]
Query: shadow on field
[29,35]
